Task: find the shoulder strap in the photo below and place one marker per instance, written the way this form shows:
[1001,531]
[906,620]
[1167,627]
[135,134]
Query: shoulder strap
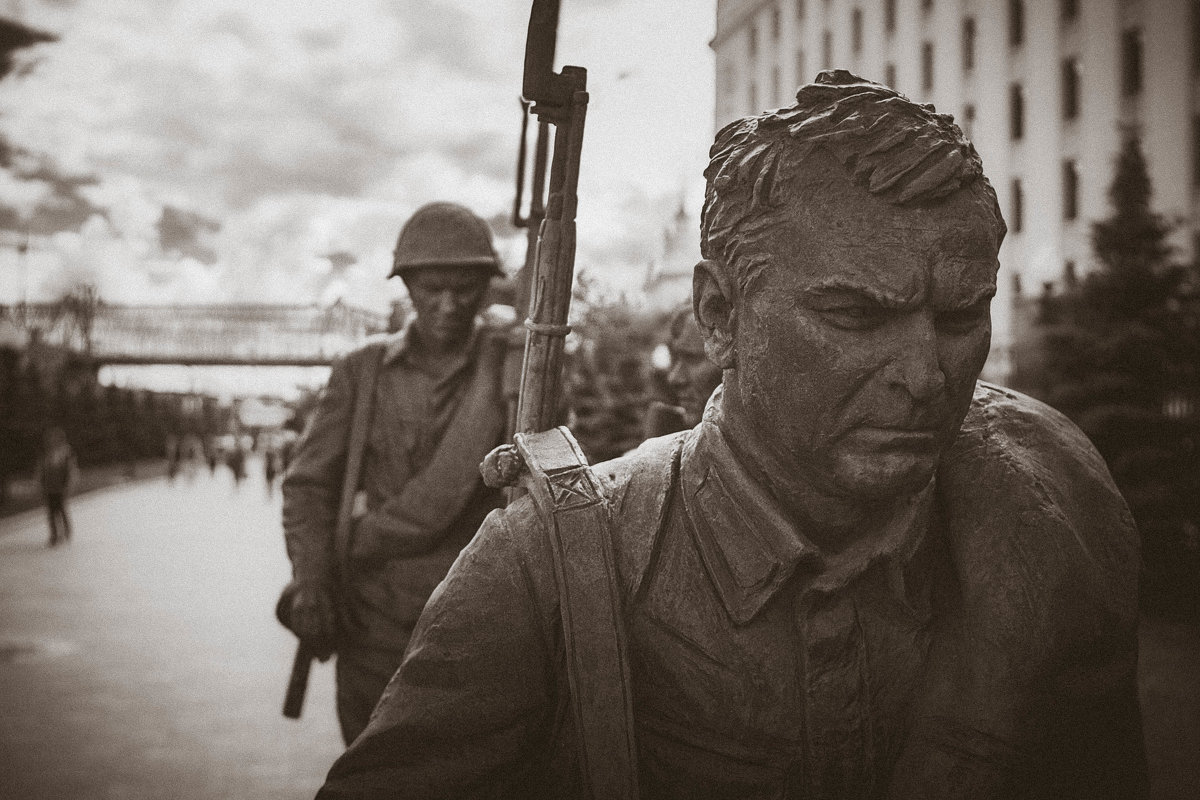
[360,423]
[569,498]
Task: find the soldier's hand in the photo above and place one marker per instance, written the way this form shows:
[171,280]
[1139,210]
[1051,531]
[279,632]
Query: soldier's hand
[313,619]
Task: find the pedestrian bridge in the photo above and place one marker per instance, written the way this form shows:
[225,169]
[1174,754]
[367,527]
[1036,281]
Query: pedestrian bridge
[199,335]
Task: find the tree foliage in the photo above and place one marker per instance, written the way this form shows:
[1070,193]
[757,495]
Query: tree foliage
[608,378]
[1122,354]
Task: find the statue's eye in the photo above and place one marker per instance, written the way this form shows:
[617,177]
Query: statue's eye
[855,316]
[963,320]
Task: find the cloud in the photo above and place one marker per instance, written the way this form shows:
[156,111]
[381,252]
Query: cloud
[184,232]
[219,149]
[38,198]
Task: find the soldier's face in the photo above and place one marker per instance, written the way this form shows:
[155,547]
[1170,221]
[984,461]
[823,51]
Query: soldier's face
[858,346]
[446,300]
[692,377]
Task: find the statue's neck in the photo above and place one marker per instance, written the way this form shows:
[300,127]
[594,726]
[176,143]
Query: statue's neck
[437,357]
[831,522]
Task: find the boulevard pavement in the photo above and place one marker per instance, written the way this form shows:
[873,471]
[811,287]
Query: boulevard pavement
[143,660]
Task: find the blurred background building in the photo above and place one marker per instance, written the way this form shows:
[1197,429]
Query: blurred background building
[668,279]
[1046,90]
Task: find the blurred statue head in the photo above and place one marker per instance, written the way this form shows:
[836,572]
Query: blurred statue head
[445,256]
[692,377]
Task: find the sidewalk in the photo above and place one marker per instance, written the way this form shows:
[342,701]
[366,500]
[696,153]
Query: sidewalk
[24,492]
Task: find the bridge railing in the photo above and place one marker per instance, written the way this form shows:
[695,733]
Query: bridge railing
[252,334]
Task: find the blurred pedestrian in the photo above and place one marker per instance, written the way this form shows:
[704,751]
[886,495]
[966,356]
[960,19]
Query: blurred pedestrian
[270,468]
[173,455]
[237,462]
[57,472]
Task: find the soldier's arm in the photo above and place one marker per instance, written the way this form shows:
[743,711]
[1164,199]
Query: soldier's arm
[472,711]
[313,484]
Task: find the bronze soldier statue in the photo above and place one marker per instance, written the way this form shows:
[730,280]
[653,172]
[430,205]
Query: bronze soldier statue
[863,575]
[384,489]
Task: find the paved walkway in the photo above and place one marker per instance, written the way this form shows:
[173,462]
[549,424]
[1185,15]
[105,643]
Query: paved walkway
[142,661]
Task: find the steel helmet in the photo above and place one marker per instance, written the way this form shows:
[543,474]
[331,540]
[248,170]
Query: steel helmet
[444,235]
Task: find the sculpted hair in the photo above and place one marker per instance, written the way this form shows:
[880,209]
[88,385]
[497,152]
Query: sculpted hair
[902,151]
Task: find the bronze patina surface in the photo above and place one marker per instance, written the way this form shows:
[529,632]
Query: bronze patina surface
[404,421]
[864,574]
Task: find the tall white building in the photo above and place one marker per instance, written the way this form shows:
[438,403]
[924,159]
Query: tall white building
[1044,88]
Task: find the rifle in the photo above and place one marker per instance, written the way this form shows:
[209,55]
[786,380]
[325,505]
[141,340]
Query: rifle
[558,99]
[549,464]
[532,223]
[293,701]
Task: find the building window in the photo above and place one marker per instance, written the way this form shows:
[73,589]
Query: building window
[1196,42]
[1070,189]
[1016,112]
[801,69]
[968,43]
[968,119]
[826,49]
[856,30]
[1069,10]
[889,75]
[1018,206]
[1070,88]
[775,24]
[1196,156]
[927,66]
[889,15]
[1016,23]
[1131,62]
[752,44]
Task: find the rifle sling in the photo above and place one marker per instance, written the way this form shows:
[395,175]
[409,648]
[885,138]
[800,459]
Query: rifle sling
[360,424]
[569,499]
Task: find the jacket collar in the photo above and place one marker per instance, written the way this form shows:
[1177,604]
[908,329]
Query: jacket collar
[403,345]
[751,547]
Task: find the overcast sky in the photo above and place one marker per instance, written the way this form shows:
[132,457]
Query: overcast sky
[223,150]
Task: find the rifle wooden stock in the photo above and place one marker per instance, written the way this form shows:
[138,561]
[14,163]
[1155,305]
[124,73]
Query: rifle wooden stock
[293,701]
[554,271]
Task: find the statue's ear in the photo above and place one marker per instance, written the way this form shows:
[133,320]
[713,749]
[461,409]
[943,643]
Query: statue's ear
[716,312]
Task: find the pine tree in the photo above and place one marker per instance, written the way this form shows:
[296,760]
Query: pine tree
[1122,353]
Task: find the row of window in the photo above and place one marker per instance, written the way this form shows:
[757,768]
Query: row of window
[1070,197]
[1132,55]
[1069,11]
[1132,76]
[1070,80]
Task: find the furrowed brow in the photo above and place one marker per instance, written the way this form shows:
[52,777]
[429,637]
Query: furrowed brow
[879,295]
[982,295]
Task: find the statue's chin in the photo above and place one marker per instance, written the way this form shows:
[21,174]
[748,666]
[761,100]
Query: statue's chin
[878,476]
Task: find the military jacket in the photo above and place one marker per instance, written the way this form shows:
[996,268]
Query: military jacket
[983,645]
[413,408]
